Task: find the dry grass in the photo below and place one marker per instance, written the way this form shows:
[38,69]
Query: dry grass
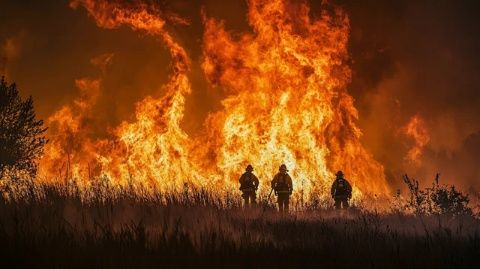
[55,227]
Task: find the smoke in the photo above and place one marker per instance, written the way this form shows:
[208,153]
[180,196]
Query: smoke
[10,50]
[418,58]
[102,61]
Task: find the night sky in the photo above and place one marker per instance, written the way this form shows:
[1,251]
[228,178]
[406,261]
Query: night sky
[408,58]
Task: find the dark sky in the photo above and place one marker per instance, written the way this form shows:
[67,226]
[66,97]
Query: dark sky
[419,57]
[408,58]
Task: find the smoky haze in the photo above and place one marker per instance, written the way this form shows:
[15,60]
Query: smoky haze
[409,58]
[419,58]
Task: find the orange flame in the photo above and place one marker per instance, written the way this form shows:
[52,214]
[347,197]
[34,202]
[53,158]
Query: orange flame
[69,143]
[416,129]
[286,102]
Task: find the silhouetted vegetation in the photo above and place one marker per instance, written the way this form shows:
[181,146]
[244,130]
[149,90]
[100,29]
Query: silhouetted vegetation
[21,134]
[438,199]
[54,226]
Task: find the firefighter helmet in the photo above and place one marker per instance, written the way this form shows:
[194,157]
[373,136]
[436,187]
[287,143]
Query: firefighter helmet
[283,167]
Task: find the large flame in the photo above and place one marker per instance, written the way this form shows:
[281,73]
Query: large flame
[285,102]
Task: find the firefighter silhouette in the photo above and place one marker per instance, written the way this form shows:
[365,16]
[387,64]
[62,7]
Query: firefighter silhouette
[341,191]
[248,186]
[282,185]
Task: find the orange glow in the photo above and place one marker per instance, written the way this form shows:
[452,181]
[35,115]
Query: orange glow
[285,102]
[416,129]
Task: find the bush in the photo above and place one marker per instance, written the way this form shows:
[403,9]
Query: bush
[439,199]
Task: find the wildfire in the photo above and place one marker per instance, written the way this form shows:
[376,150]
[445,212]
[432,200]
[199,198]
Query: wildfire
[285,102]
[416,129]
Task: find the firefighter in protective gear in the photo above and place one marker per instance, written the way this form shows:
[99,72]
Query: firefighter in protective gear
[341,191]
[282,185]
[248,186]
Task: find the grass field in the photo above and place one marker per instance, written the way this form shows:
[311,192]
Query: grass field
[59,230]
